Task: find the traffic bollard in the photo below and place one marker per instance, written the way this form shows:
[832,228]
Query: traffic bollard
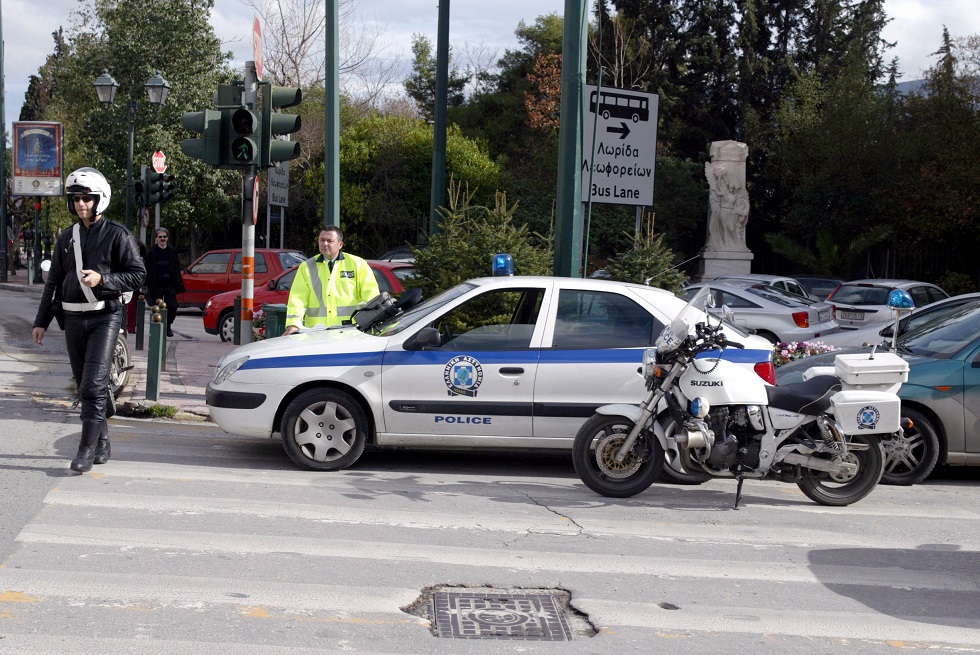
[163,318]
[140,320]
[155,357]
[237,309]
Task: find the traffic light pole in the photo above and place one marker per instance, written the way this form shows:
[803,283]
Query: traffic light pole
[248,225]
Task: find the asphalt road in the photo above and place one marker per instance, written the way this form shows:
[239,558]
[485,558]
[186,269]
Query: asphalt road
[193,541]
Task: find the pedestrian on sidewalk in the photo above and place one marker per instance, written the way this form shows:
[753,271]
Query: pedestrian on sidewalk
[163,276]
[328,288]
[92,266]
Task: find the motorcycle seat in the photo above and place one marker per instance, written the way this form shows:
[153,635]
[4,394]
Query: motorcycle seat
[810,397]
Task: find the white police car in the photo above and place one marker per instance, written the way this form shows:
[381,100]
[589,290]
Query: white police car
[501,362]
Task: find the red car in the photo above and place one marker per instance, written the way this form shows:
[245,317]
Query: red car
[217,271]
[219,317]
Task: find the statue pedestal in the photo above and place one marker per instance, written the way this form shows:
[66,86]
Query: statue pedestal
[715,263]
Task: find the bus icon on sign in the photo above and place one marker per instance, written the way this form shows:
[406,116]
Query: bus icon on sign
[620,105]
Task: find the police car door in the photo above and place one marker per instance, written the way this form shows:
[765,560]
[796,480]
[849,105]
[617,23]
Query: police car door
[596,346]
[474,388]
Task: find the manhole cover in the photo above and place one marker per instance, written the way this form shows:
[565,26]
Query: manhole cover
[484,612]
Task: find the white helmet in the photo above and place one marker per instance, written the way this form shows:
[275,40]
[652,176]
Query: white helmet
[89,181]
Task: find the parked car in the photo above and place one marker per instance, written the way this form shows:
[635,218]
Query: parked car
[818,287]
[859,303]
[883,332]
[778,281]
[217,271]
[772,313]
[941,396]
[503,362]
[219,317]
[404,253]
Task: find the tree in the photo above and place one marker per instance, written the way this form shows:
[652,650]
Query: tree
[471,234]
[386,172]
[648,261]
[112,34]
[421,84]
[294,42]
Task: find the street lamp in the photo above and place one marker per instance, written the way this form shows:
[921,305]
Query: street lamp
[157,89]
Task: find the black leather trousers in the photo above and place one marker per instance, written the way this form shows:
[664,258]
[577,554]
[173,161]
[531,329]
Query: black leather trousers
[91,339]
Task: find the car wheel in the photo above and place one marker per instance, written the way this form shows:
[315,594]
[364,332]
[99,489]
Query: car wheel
[226,326]
[324,430]
[910,459]
[769,336]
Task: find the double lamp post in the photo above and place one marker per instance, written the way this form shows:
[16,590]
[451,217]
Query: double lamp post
[157,89]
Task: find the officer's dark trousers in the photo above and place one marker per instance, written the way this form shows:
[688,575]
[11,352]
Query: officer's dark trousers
[91,339]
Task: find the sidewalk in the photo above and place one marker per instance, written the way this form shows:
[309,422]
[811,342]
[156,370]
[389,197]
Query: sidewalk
[190,366]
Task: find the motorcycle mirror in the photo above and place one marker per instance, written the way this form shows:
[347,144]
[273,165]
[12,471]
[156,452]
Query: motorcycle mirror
[46,265]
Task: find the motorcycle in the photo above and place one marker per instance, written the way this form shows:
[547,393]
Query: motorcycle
[714,417]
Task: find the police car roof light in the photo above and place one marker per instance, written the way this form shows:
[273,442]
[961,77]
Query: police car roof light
[502,264]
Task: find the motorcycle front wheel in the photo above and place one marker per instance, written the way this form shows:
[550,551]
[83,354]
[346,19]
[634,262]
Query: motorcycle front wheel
[840,490]
[594,457]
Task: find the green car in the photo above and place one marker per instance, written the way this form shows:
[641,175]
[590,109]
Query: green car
[941,396]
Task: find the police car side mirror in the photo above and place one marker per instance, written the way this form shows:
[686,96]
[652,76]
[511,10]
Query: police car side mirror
[427,337]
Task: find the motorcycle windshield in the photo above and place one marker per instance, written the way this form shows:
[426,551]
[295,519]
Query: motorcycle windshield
[683,324]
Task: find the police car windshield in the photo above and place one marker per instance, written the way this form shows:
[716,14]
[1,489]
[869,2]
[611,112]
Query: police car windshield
[397,323]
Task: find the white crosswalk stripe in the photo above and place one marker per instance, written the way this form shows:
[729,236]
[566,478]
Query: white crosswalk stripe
[208,544]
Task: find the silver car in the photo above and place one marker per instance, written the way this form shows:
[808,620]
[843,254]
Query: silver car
[877,333]
[859,303]
[772,313]
[778,281]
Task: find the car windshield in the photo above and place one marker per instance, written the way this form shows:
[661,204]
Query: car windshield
[397,323]
[945,336]
[778,296]
[860,294]
[290,259]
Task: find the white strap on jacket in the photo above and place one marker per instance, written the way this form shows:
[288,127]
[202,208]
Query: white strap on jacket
[92,304]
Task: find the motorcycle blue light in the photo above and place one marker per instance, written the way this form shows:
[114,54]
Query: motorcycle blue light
[900,299]
[502,264]
[700,407]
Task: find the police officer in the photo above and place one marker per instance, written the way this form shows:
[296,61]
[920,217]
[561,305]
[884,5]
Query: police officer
[328,288]
[92,265]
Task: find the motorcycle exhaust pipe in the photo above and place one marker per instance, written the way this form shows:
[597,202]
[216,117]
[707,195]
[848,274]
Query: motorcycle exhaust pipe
[819,464]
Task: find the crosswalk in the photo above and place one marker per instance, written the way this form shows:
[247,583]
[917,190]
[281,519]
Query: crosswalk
[190,541]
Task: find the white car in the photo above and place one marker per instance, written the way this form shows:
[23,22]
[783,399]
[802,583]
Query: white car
[860,303]
[778,281]
[502,362]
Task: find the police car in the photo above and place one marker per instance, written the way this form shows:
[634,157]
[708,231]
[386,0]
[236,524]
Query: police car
[499,362]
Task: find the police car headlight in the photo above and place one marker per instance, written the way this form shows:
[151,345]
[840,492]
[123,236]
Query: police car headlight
[226,370]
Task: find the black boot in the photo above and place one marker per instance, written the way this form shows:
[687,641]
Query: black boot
[86,447]
[102,449]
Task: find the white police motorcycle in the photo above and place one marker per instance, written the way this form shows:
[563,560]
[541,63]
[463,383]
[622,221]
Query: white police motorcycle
[715,418]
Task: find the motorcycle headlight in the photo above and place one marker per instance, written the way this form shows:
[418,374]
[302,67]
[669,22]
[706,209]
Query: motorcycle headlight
[700,407]
[225,371]
[650,366]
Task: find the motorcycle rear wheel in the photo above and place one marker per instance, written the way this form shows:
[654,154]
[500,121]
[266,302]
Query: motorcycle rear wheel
[120,365]
[826,489]
[594,452]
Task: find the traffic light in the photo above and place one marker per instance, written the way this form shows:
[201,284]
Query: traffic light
[167,187]
[242,144]
[275,124]
[139,189]
[208,124]
[153,186]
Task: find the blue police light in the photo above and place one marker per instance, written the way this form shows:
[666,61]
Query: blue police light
[900,299]
[502,264]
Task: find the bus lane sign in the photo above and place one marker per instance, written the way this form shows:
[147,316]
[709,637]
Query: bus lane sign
[622,125]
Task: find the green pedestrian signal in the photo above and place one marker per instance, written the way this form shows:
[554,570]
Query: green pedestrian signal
[243,137]
[208,124]
[275,124]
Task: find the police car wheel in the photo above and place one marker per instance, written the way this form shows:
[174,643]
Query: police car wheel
[324,430]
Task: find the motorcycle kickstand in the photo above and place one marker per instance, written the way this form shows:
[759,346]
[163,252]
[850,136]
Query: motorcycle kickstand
[738,490]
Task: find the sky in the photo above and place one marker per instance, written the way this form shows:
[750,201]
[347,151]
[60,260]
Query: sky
[916,26]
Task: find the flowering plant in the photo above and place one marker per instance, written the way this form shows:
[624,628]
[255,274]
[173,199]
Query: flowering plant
[258,325]
[784,352]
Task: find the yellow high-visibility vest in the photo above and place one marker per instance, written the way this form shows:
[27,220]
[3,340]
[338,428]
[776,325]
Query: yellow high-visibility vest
[320,296]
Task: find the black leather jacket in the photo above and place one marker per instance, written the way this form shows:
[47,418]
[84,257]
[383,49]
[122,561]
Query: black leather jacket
[108,248]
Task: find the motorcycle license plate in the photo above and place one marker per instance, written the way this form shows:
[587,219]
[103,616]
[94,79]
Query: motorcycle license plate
[852,316]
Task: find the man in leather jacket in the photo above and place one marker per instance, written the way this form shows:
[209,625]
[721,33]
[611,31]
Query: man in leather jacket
[163,278]
[89,294]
